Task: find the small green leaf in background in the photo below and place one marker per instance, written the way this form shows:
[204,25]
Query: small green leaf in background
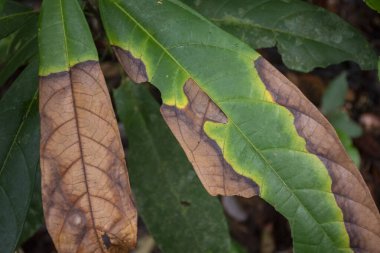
[178,212]
[374,4]
[349,146]
[19,155]
[334,97]
[332,106]
[13,17]
[342,121]
[307,36]
[22,48]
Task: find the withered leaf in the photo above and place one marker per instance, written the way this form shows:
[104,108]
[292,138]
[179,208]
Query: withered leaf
[234,113]
[86,195]
[360,214]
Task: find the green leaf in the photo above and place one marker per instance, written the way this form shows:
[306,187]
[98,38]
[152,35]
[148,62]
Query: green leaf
[12,7]
[220,95]
[63,31]
[5,45]
[13,17]
[19,154]
[332,107]
[374,4]
[334,96]
[23,48]
[307,36]
[342,121]
[349,146]
[178,212]
[35,218]
[2,2]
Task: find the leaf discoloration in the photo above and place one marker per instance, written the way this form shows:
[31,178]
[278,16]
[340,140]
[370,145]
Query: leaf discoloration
[360,214]
[85,187]
[215,173]
[134,67]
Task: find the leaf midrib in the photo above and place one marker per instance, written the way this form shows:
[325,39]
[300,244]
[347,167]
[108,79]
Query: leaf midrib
[230,119]
[65,38]
[87,193]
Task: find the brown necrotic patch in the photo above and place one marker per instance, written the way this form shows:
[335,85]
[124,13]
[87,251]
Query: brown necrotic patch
[216,175]
[85,185]
[133,66]
[360,214]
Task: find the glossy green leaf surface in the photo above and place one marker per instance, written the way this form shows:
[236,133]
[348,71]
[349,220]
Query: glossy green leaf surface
[264,138]
[23,47]
[19,137]
[63,31]
[306,36]
[13,16]
[178,212]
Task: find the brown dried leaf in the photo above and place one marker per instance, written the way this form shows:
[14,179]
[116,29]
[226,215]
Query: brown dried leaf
[86,195]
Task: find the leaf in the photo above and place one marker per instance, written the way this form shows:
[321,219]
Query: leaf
[307,36]
[349,146]
[5,44]
[35,217]
[335,94]
[13,17]
[177,211]
[86,195]
[24,47]
[66,42]
[18,155]
[11,7]
[271,134]
[2,2]
[332,106]
[374,4]
[342,121]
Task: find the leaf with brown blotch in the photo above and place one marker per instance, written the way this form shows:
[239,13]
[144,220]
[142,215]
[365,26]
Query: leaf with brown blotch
[245,127]
[87,200]
[361,218]
[85,189]
[213,170]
